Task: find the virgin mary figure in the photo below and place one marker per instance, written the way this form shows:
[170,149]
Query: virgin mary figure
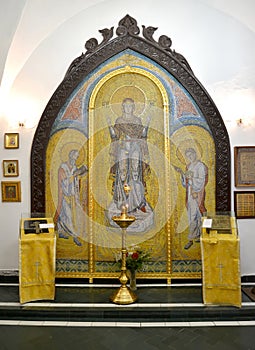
[130,165]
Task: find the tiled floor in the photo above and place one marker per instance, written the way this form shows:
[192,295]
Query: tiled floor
[111,338]
[82,317]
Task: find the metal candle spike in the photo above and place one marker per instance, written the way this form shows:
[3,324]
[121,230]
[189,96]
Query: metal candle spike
[124,295]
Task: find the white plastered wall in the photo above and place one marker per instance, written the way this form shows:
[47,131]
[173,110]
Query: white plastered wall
[217,39]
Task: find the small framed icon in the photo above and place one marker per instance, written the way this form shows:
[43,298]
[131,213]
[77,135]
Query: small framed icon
[11,191]
[11,140]
[10,168]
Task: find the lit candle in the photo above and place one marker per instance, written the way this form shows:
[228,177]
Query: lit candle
[124,210]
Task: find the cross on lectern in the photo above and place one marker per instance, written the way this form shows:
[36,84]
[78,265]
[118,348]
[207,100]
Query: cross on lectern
[37,264]
[36,225]
[220,266]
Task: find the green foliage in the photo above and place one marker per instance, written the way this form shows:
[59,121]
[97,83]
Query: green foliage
[135,259]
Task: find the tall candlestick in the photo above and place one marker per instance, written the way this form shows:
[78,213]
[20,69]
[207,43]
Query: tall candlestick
[124,295]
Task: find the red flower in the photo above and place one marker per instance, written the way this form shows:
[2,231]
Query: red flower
[135,259]
[135,256]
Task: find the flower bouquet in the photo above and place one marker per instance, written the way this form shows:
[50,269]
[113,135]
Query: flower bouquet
[134,262]
[135,259]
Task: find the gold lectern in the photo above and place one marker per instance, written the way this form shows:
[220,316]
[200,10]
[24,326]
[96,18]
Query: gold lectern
[220,248]
[37,256]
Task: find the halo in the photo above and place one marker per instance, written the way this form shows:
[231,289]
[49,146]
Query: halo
[129,91]
[68,147]
[184,145]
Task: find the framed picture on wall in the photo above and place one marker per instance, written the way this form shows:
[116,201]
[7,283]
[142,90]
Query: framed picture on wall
[244,162]
[10,168]
[11,191]
[244,204]
[11,140]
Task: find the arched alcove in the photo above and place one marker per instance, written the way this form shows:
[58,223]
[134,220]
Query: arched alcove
[183,116]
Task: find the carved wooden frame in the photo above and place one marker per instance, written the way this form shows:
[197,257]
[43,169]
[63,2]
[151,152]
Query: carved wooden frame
[128,37]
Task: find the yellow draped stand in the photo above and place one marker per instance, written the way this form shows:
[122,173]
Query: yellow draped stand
[220,249]
[37,256]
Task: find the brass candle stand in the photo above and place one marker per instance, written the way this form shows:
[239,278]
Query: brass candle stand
[123,295]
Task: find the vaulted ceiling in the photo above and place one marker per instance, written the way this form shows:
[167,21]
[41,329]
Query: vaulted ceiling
[12,11]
